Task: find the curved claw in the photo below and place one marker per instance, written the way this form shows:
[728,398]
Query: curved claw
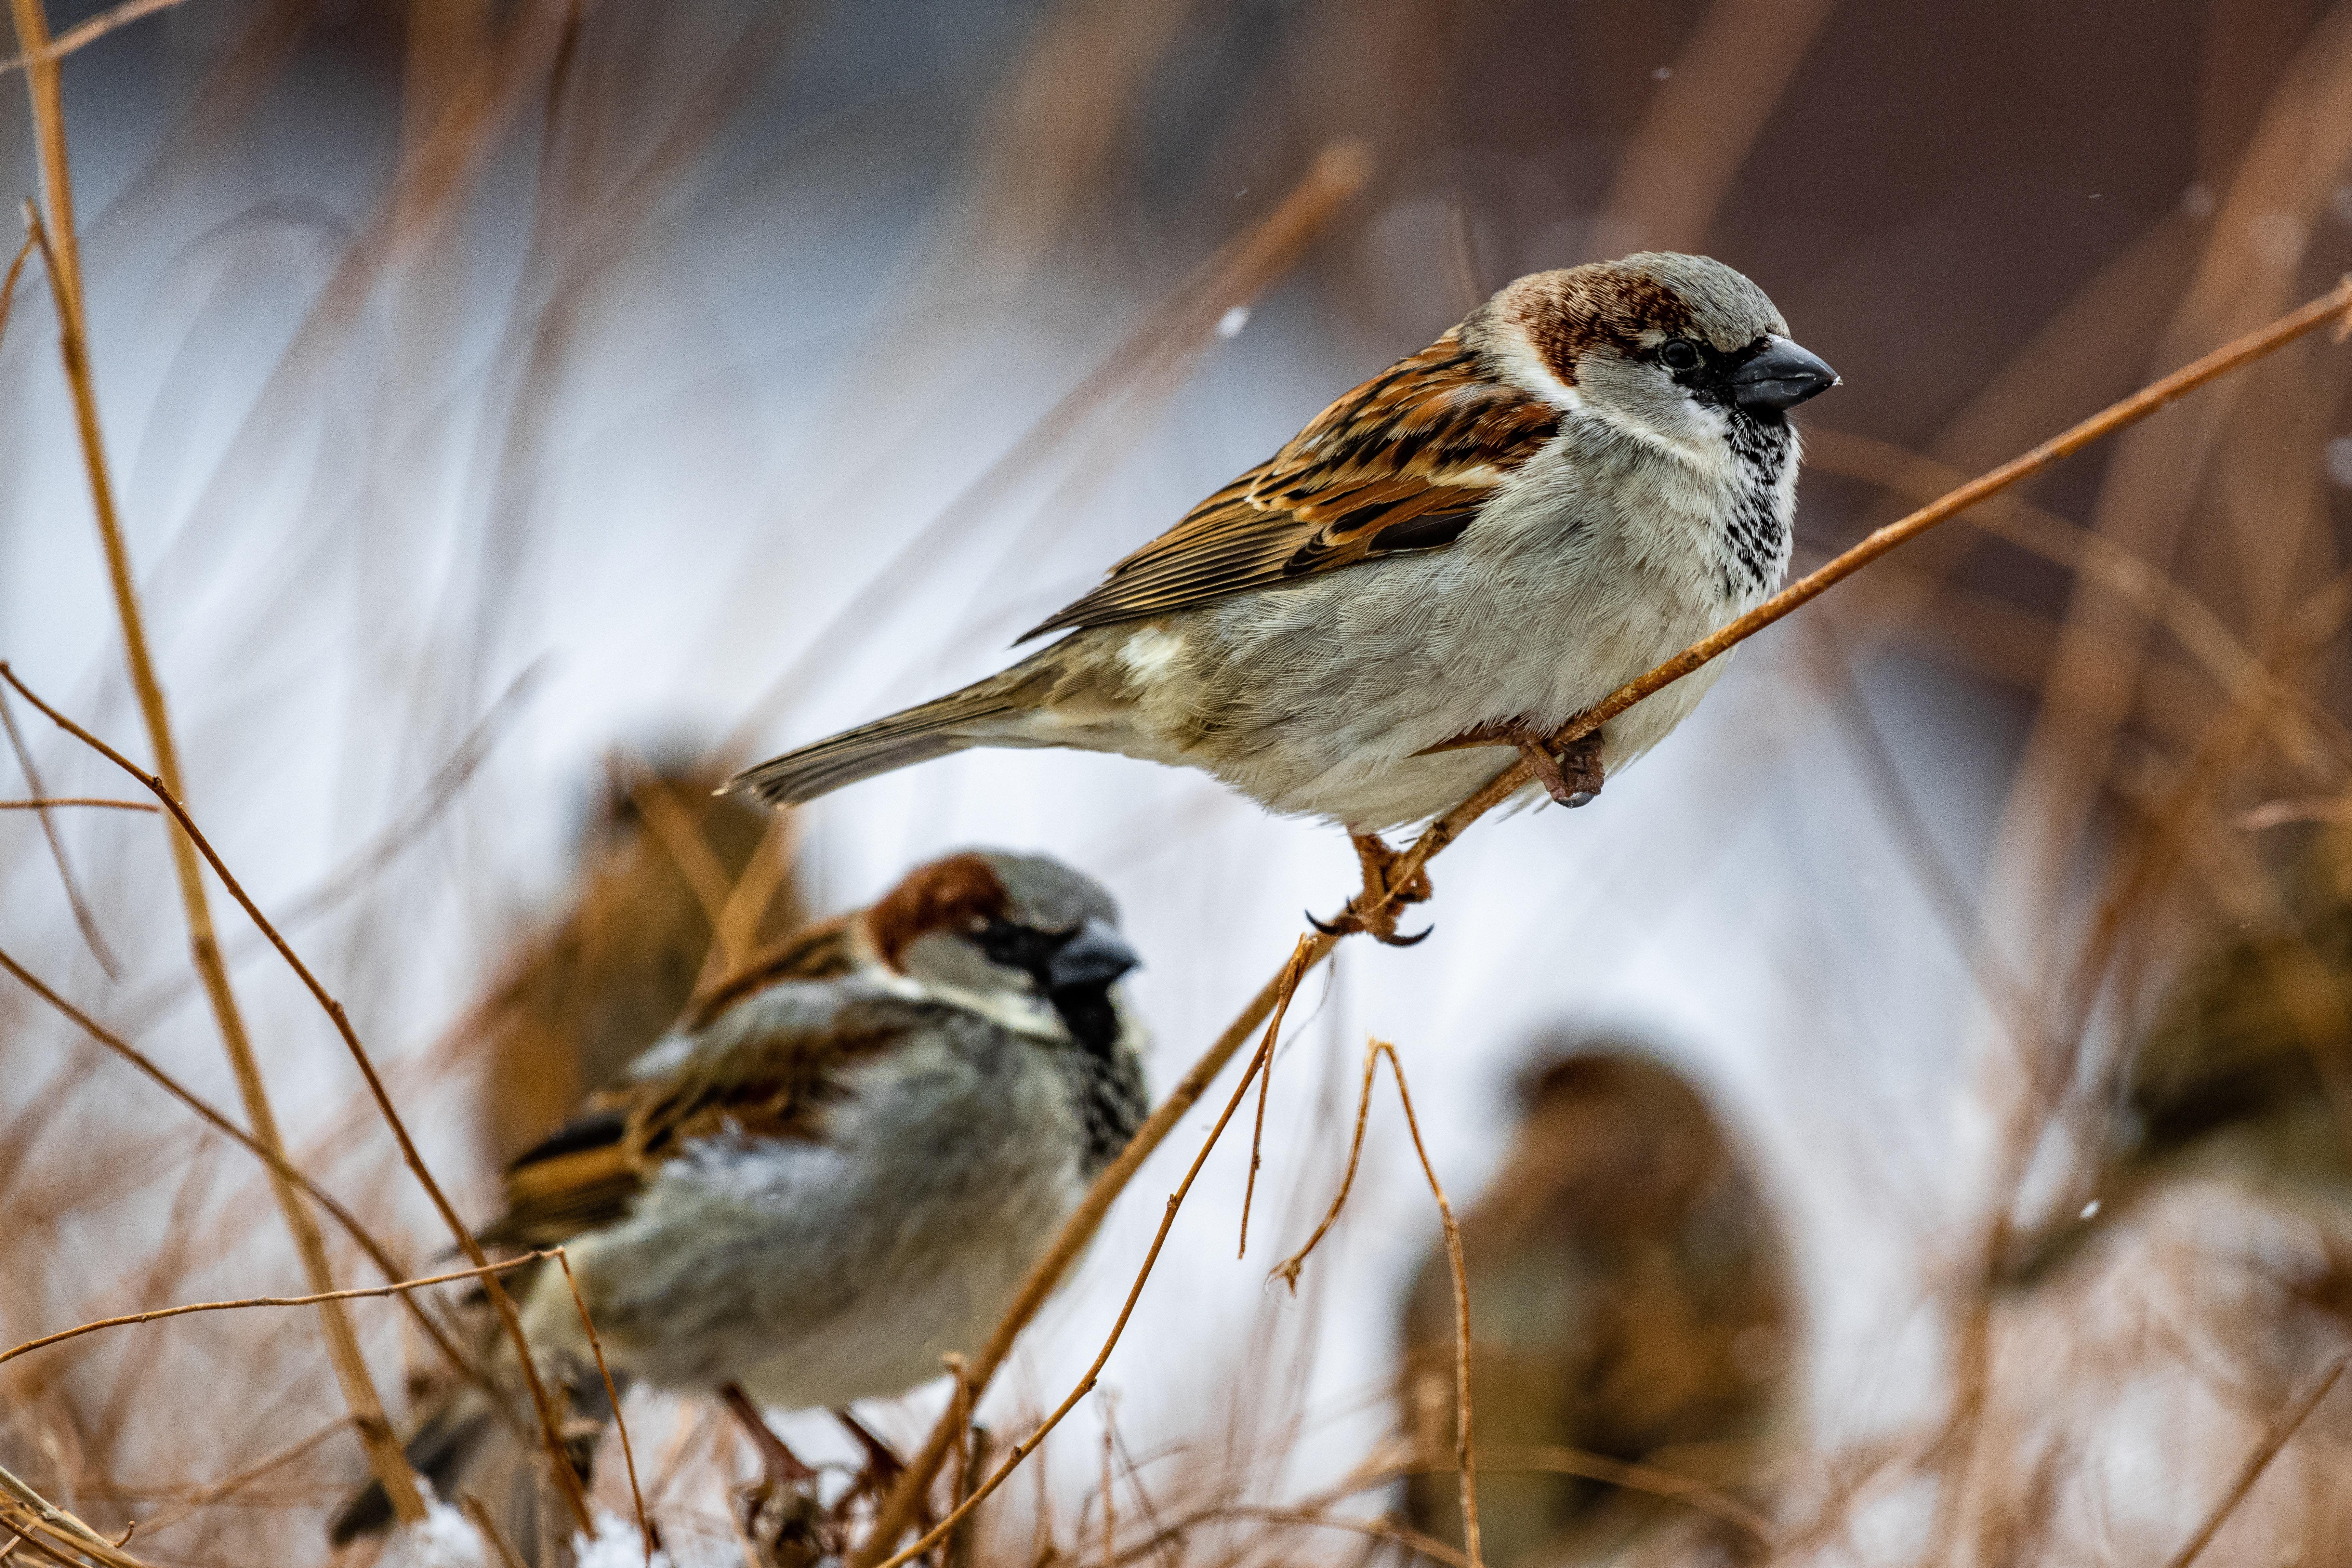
[1340,927]
[1413,940]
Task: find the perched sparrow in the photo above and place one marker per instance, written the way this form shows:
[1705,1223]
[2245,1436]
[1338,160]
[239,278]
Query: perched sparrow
[1591,472]
[1630,1298]
[839,1166]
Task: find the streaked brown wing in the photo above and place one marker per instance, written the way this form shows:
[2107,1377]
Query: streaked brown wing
[821,951]
[1403,462]
[769,1086]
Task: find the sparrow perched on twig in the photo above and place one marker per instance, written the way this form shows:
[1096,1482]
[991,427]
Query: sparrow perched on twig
[838,1167]
[1588,473]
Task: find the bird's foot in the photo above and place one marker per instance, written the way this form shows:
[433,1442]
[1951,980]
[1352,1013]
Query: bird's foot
[883,1467]
[1571,776]
[780,1512]
[1387,890]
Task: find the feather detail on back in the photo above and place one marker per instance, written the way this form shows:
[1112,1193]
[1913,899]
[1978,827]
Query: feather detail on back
[773,1078]
[1403,462]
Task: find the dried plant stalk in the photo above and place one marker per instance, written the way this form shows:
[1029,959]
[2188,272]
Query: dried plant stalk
[2257,1461]
[1288,983]
[394,1288]
[628,1451]
[61,252]
[567,1481]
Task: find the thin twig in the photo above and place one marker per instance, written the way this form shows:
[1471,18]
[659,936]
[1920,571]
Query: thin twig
[628,1452]
[1028,1444]
[83,919]
[2257,1461]
[478,1513]
[1288,1268]
[899,1509]
[567,1480]
[58,241]
[378,1253]
[88,32]
[8,285]
[1265,1077]
[48,1520]
[353,1294]
[1461,1308]
[43,803]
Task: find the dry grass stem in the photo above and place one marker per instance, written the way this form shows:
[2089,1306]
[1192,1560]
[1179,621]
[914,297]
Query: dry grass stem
[72,39]
[2259,1460]
[57,239]
[84,922]
[620,1427]
[39,1522]
[378,1253]
[899,1509]
[1265,1077]
[353,1294]
[1462,1455]
[1289,1266]
[8,284]
[46,802]
[1027,1445]
[567,1481]
[484,1522]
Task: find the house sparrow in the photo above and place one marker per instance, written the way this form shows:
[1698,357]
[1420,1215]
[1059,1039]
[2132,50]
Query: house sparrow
[1591,471]
[1631,1296]
[838,1167]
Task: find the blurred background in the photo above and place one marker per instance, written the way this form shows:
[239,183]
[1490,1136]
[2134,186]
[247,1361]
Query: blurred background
[517,405]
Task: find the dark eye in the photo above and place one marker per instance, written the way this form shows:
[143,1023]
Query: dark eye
[1018,946]
[1678,354]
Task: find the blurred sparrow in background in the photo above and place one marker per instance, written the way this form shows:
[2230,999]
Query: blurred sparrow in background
[606,973]
[838,1169]
[1591,472]
[1630,1298]
[2244,1076]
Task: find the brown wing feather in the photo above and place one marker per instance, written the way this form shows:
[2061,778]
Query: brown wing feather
[1403,462]
[588,1174]
[821,951]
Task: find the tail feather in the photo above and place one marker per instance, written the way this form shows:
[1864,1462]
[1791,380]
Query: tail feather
[974,716]
[442,1451]
[466,1443]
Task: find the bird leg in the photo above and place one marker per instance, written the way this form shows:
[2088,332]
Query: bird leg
[883,1466]
[780,1510]
[779,1464]
[1375,910]
[1571,777]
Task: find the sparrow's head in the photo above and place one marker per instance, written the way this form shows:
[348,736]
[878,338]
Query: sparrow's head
[988,920]
[1679,345]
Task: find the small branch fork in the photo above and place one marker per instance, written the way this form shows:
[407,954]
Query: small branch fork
[899,1509]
